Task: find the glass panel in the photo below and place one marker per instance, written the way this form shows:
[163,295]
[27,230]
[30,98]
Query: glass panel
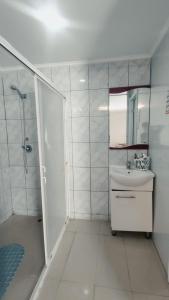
[52,161]
[20,194]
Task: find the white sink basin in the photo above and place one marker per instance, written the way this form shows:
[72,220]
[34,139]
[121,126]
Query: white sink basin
[127,177]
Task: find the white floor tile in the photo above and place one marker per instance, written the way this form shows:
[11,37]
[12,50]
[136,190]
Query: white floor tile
[59,261]
[146,272]
[26,231]
[137,296]
[84,226]
[71,226]
[74,291]
[112,264]
[21,289]
[81,264]
[109,294]
[125,267]
[48,290]
[105,228]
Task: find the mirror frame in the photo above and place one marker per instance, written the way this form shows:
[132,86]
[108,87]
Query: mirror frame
[122,89]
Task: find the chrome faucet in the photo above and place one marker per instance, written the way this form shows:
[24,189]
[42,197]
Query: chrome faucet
[129,164]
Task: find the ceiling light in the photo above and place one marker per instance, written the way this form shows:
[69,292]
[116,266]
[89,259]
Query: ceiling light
[51,18]
[82,80]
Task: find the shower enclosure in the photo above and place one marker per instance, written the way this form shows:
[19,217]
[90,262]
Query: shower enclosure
[51,145]
[32,168]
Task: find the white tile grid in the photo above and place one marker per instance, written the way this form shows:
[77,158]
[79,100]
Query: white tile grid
[14,114]
[94,84]
[98,76]
[4,156]
[97,80]
[47,71]
[71,178]
[2,108]
[19,201]
[118,74]
[11,109]
[25,81]
[99,102]
[5,186]
[81,211]
[61,77]
[139,72]
[80,103]
[3,132]
[34,206]
[1,85]
[9,78]
[79,77]
[118,157]
[90,264]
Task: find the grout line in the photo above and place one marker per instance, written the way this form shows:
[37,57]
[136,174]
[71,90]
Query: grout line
[127,262]
[91,89]
[114,289]
[68,255]
[94,292]
[93,167]
[90,142]
[159,260]
[71,119]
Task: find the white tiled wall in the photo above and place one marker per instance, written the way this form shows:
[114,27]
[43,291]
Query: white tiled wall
[86,134]
[5,191]
[23,189]
[86,124]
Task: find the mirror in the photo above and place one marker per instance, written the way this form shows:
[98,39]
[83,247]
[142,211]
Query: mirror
[129,117]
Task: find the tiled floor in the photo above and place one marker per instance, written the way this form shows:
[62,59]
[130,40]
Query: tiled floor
[26,231]
[93,265]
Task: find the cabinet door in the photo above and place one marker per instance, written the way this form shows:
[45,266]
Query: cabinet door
[131,211]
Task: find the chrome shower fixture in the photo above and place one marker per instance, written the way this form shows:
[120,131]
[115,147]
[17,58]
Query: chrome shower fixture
[21,95]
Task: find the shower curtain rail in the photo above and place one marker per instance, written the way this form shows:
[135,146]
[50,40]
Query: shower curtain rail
[8,47]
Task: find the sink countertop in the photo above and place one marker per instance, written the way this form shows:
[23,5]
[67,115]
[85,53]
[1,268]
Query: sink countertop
[130,177]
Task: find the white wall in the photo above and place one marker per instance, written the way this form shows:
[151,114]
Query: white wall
[159,147]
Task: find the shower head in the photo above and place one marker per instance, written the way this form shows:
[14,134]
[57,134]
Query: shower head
[21,95]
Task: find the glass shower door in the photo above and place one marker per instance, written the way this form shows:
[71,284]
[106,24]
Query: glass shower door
[49,106]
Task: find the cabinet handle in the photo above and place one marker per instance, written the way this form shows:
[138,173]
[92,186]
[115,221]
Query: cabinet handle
[128,197]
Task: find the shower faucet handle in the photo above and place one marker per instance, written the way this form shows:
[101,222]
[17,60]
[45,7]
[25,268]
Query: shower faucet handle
[27,148]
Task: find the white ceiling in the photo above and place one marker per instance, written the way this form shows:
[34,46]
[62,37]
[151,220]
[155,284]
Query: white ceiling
[98,29]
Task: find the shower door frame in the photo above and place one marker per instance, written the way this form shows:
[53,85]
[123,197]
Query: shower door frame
[42,168]
[37,74]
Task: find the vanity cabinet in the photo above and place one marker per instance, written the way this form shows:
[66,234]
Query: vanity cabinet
[131,200]
[131,210]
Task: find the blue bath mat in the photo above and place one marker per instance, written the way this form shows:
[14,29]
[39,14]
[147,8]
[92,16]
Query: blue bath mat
[10,258]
